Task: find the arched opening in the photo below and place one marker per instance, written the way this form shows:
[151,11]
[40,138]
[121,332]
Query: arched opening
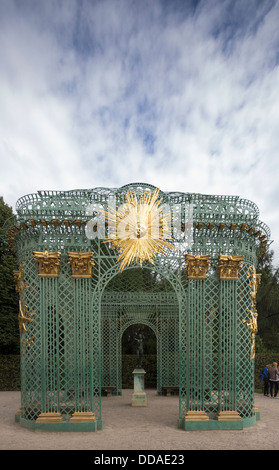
[139,298]
[130,345]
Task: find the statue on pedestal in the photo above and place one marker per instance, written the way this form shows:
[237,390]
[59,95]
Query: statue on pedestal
[139,350]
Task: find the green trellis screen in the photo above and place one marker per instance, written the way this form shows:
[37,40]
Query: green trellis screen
[72,326]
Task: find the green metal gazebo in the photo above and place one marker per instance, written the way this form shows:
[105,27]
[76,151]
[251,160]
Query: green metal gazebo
[83,256]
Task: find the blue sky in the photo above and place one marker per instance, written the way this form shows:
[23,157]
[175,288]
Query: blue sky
[183,95]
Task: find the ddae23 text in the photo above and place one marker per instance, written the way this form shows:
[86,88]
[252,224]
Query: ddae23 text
[166,459]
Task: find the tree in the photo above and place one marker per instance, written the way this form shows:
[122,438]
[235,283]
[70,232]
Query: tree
[268,303]
[9,331]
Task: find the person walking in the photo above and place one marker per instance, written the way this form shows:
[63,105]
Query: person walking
[264,378]
[273,377]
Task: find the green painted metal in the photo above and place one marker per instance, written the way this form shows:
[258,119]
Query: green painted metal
[203,344]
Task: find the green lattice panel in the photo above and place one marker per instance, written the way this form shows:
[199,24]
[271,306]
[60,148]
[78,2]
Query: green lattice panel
[30,355]
[211,343]
[245,366]
[67,340]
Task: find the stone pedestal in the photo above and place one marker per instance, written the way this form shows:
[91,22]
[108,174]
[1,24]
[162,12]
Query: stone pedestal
[139,395]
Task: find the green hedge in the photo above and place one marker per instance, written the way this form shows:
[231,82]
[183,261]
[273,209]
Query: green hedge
[10,370]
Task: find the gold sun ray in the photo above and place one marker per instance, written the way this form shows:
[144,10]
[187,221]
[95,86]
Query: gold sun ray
[140,228]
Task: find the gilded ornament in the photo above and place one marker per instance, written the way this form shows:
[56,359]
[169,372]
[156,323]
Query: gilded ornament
[197,266]
[229,266]
[24,314]
[49,263]
[252,322]
[140,229]
[81,264]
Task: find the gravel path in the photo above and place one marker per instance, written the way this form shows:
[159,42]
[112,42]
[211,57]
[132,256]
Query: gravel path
[147,428]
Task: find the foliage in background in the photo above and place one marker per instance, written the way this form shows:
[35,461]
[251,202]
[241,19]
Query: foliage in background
[10,370]
[9,332]
[268,303]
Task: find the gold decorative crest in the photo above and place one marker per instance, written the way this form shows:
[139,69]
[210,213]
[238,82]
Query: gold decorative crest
[197,266]
[140,229]
[229,266]
[81,264]
[49,263]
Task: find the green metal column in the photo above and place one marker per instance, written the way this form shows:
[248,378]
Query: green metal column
[82,345]
[95,355]
[196,350]
[228,267]
[49,345]
[227,346]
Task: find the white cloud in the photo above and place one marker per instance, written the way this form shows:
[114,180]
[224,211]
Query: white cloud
[105,93]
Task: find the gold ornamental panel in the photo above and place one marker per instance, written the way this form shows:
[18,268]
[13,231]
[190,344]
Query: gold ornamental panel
[81,264]
[229,266]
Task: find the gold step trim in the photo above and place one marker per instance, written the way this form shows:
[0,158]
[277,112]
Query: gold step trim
[198,415]
[228,416]
[50,417]
[83,417]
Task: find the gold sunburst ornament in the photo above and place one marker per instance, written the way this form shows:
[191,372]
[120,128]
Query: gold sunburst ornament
[139,229]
